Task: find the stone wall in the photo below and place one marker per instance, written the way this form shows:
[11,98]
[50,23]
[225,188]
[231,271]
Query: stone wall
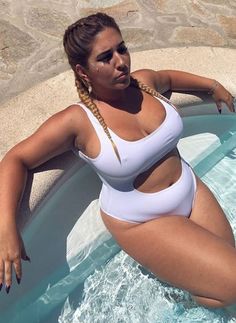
[31,31]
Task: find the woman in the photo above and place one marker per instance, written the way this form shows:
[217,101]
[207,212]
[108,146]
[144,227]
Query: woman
[151,201]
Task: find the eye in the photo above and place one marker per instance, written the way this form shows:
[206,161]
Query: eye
[105,58]
[122,49]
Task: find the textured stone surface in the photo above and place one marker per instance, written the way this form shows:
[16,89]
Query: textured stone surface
[48,21]
[15,45]
[170,7]
[4,7]
[218,2]
[97,4]
[31,31]
[137,37]
[228,25]
[184,35]
[125,10]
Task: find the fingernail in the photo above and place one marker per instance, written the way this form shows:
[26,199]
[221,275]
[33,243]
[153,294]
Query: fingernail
[0,287]
[27,258]
[8,289]
[18,279]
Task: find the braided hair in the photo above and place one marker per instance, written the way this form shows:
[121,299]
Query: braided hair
[77,42]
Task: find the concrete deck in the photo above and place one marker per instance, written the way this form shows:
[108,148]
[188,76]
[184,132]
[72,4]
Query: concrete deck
[31,32]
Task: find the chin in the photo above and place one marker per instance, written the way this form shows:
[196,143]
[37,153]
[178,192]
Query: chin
[124,84]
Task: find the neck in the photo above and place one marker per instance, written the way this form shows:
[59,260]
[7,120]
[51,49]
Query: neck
[112,97]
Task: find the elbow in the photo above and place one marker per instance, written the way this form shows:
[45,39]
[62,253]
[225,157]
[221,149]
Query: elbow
[12,158]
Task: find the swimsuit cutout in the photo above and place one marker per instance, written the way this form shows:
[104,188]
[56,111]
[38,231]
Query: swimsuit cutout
[118,197]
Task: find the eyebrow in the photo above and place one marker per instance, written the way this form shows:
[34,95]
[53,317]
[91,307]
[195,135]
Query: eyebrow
[101,55]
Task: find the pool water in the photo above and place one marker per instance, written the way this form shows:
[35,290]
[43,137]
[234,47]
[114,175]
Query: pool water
[123,292]
[100,283]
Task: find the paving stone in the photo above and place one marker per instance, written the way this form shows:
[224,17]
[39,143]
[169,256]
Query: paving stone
[15,45]
[98,4]
[4,7]
[48,21]
[229,25]
[217,2]
[53,58]
[122,11]
[30,31]
[232,3]
[197,8]
[201,36]
[136,37]
[4,76]
[168,6]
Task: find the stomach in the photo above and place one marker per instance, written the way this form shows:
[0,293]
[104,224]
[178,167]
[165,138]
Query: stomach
[161,175]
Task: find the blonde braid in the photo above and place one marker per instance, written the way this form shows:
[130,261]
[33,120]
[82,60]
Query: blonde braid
[135,83]
[88,102]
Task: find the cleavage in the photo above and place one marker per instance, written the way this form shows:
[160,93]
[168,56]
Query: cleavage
[133,127]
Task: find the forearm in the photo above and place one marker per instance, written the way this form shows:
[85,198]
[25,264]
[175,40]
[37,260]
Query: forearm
[183,81]
[13,175]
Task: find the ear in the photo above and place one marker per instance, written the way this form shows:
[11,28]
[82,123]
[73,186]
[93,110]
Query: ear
[81,71]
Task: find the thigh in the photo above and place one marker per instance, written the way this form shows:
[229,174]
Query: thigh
[208,213]
[182,253]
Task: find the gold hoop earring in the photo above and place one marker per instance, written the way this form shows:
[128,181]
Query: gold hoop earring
[89,88]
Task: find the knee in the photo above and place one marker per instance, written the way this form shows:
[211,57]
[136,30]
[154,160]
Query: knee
[225,301]
[209,302]
[222,295]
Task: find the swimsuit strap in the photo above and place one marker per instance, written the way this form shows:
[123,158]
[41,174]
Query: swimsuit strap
[160,96]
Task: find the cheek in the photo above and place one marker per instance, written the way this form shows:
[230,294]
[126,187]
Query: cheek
[104,72]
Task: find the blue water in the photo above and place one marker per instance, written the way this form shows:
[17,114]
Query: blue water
[109,286]
[124,292]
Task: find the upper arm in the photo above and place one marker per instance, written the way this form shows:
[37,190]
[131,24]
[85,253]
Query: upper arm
[159,80]
[52,138]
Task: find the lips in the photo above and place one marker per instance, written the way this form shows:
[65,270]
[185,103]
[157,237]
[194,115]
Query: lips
[123,74]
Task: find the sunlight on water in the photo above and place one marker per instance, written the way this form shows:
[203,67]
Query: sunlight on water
[222,181]
[123,292]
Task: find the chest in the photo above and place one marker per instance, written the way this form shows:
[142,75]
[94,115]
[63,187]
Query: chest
[134,124]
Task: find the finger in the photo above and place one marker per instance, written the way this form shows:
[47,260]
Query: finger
[233,104]
[24,256]
[8,275]
[230,102]
[23,252]
[18,270]
[1,274]
[219,106]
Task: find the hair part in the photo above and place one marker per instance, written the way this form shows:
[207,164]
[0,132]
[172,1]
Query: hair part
[78,37]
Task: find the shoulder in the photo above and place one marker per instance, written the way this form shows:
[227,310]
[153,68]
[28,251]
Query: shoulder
[67,122]
[72,115]
[159,80]
[146,76]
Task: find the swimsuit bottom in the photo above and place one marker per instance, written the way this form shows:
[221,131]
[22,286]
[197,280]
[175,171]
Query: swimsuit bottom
[138,207]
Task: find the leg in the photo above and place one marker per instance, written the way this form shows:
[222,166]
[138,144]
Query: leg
[184,254]
[211,217]
[195,254]
[208,214]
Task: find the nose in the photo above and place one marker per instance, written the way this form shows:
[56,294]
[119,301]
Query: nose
[119,61]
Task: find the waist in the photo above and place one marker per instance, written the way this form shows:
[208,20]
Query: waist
[161,175]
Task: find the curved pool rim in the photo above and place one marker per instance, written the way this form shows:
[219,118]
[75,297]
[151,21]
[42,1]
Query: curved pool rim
[45,286]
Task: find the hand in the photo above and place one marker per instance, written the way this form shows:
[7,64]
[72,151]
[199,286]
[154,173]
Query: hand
[221,95]
[12,250]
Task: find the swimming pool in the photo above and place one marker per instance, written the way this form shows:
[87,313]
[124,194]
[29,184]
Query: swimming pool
[79,274]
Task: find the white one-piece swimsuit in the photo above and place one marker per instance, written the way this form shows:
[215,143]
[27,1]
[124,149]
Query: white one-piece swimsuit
[118,197]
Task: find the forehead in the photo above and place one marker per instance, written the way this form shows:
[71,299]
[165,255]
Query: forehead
[105,40]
